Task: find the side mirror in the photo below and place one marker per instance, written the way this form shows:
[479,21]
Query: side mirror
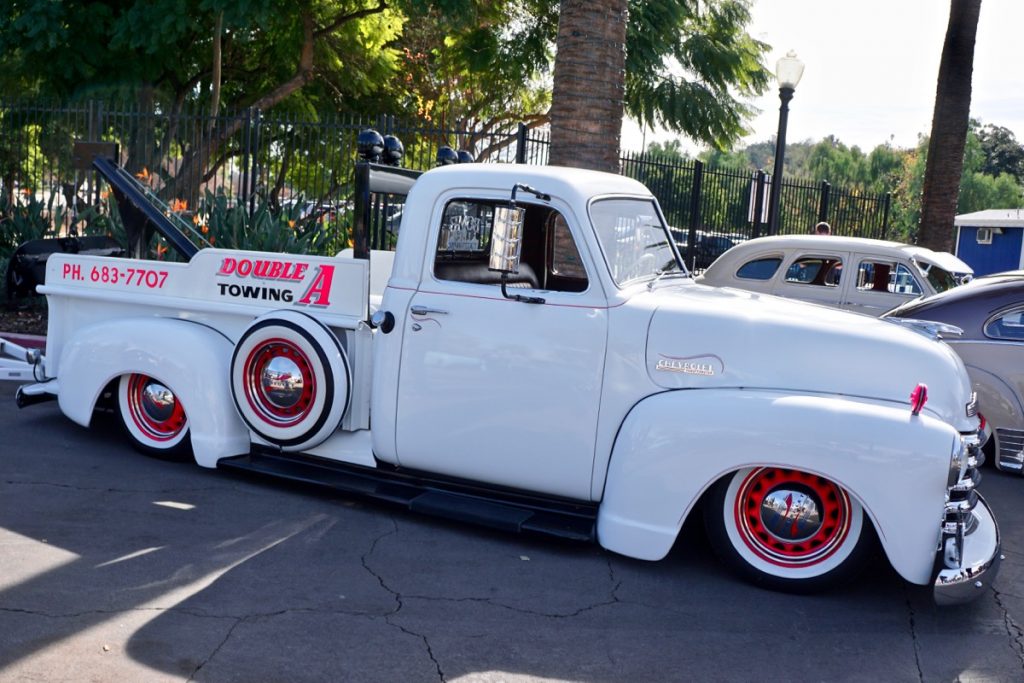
[507,238]
[507,241]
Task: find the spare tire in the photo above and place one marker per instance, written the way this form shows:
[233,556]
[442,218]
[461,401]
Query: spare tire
[290,380]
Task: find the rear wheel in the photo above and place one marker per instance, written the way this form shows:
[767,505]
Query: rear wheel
[153,417]
[786,529]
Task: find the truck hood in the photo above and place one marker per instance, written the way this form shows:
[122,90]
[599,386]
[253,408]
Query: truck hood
[703,337]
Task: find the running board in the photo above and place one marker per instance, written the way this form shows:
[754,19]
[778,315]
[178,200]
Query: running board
[506,511]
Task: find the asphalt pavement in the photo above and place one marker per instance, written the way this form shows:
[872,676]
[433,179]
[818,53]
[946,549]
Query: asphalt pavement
[119,567]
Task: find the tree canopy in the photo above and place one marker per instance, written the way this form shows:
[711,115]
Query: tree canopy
[164,49]
[987,182]
[691,66]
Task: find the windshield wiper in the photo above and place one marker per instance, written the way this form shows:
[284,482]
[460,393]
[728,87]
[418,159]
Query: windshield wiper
[671,269]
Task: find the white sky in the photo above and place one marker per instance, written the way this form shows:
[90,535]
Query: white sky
[871,69]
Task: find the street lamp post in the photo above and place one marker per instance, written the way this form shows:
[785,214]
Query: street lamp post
[788,71]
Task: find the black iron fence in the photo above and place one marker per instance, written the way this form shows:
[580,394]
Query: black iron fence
[248,156]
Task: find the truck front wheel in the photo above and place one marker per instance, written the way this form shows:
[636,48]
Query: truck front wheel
[153,417]
[785,529]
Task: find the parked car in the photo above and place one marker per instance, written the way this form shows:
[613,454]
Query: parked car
[709,246]
[990,314]
[811,268]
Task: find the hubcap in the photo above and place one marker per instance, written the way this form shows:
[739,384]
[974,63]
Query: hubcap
[791,518]
[282,382]
[791,514]
[279,383]
[154,408]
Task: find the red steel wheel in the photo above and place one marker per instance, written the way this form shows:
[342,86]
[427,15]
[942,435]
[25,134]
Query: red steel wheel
[279,382]
[153,417]
[786,529]
[791,518]
[290,380]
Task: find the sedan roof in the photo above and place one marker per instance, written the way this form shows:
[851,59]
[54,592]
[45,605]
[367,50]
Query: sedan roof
[968,306]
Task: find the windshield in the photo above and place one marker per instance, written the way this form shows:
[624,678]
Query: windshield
[634,239]
[940,279]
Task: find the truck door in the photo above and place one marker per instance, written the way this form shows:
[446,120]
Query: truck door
[494,389]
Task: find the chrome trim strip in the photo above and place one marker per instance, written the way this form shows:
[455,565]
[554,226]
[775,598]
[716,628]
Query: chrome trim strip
[991,342]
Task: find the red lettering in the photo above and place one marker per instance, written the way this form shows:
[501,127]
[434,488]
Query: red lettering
[227,266]
[275,270]
[244,267]
[260,270]
[300,271]
[320,288]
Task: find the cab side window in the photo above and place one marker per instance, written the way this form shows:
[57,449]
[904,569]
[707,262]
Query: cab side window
[550,258]
[821,271]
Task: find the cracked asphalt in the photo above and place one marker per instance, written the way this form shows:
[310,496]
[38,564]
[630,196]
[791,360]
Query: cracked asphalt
[118,567]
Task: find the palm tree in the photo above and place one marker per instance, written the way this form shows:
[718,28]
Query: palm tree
[949,127]
[589,84]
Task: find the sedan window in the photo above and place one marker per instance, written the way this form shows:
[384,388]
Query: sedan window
[1009,326]
[759,269]
[815,270]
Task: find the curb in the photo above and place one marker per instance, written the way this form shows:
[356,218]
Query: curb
[29,341]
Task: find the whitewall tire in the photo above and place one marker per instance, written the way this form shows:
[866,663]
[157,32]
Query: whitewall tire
[290,380]
[786,529]
[153,416]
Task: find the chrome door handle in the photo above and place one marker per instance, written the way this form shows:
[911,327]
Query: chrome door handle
[423,310]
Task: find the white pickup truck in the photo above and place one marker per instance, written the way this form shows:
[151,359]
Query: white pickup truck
[533,356]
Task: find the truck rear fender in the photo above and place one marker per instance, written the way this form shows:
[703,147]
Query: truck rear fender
[191,359]
[673,446]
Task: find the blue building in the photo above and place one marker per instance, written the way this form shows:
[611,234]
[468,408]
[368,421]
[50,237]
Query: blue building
[991,241]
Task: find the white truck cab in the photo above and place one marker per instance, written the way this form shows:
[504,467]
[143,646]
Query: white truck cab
[535,357]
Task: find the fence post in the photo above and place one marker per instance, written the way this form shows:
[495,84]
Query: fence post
[826,190]
[254,170]
[885,215]
[695,196]
[521,143]
[243,180]
[759,184]
[95,113]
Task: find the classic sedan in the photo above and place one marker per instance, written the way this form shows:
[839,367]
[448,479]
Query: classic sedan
[853,273]
[990,313]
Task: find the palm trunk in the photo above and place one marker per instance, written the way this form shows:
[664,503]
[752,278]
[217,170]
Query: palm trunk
[949,127]
[589,84]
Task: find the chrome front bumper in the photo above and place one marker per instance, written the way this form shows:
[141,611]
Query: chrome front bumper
[969,553]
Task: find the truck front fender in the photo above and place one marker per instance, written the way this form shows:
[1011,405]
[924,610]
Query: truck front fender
[673,446]
[192,359]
